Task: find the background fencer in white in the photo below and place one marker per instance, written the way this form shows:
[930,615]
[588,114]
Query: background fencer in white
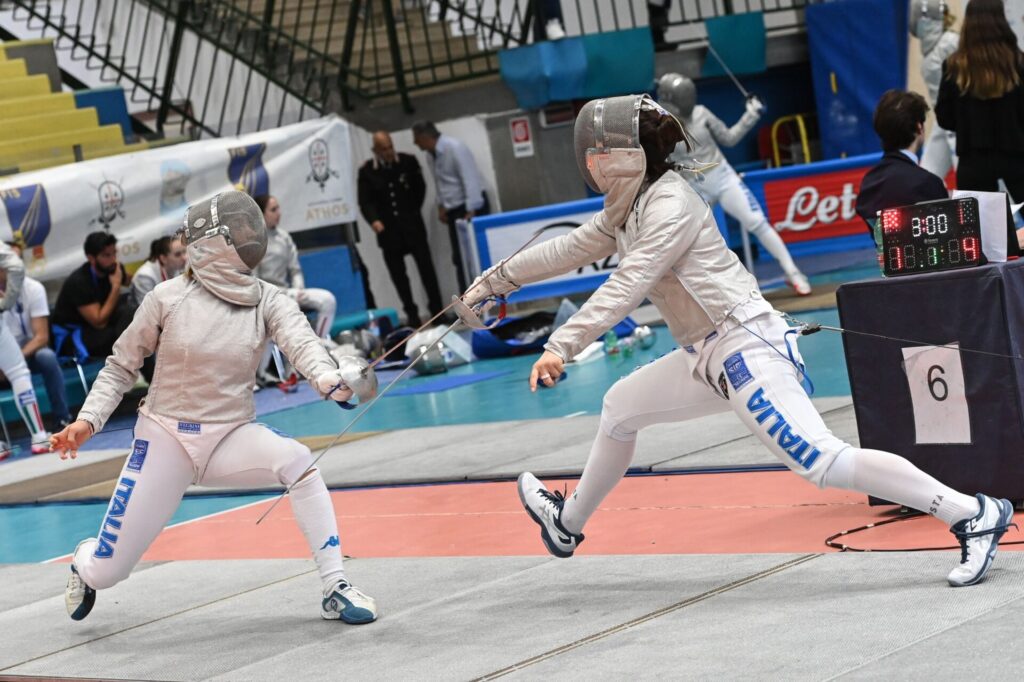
[715,180]
[734,355]
[932,23]
[212,322]
[12,362]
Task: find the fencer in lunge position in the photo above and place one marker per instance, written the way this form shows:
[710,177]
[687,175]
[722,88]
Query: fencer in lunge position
[737,352]
[932,24]
[720,183]
[12,362]
[211,325]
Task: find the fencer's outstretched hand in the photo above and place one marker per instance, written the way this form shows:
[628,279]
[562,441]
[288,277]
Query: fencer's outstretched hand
[755,106]
[546,370]
[492,282]
[332,385]
[71,438]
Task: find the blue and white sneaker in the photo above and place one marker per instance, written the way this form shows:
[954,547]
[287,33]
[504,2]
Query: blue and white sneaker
[545,507]
[79,597]
[345,603]
[979,539]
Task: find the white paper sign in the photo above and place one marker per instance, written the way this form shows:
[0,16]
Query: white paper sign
[992,217]
[936,379]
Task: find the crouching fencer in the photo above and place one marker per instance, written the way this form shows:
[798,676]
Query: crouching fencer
[720,183]
[211,325]
[736,351]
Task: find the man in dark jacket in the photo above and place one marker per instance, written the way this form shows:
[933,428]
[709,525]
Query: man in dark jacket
[391,192]
[897,180]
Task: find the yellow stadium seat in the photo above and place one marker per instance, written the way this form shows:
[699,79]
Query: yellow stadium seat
[40,104]
[13,68]
[48,123]
[28,86]
[57,145]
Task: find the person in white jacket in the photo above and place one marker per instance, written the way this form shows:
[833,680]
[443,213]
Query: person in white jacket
[196,425]
[712,176]
[736,352]
[932,24]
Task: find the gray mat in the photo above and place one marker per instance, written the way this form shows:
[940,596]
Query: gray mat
[757,617]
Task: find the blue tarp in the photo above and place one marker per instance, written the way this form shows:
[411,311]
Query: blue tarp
[853,61]
[585,67]
[739,39]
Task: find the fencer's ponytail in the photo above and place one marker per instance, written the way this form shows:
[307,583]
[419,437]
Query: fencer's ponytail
[659,135]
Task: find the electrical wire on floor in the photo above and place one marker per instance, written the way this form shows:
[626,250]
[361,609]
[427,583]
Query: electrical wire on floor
[830,541]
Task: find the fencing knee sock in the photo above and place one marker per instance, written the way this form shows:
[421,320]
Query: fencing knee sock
[890,477]
[314,512]
[28,407]
[607,464]
[774,245]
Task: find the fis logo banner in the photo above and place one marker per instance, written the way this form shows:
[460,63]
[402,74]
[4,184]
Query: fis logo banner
[28,212]
[246,171]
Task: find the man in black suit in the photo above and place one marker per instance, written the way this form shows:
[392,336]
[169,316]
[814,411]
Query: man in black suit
[897,180]
[391,192]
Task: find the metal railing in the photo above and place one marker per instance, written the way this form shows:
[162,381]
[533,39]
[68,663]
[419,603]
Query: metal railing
[217,67]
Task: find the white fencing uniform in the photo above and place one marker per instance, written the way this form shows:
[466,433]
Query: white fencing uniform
[671,252]
[280,266]
[722,184]
[937,44]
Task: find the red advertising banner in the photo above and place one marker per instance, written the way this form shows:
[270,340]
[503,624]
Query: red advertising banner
[815,206]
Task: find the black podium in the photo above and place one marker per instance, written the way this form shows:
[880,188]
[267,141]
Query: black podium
[957,415]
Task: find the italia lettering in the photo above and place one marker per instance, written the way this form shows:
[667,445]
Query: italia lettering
[112,522]
[807,208]
[793,444]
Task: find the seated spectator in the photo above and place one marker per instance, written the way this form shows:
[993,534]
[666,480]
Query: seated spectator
[29,322]
[898,180]
[91,296]
[281,268]
[166,261]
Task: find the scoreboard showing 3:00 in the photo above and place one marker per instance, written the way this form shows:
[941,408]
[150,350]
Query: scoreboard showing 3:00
[931,236]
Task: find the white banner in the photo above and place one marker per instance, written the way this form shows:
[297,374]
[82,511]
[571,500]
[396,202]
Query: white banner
[138,197]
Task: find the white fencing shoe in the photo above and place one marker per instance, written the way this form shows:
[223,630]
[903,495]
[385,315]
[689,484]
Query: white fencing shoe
[345,603]
[79,598]
[800,283]
[979,539]
[545,507]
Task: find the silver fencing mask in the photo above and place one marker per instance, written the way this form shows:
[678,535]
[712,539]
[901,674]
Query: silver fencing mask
[678,94]
[224,266]
[233,215]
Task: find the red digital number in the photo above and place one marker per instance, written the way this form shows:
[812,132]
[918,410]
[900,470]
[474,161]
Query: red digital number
[890,221]
[895,258]
[970,248]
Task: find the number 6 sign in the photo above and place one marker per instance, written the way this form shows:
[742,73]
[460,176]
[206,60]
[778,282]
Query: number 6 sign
[936,380]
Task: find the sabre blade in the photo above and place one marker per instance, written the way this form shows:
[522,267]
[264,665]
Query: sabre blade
[728,71]
[356,419]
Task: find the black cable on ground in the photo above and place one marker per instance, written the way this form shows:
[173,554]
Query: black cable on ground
[830,540]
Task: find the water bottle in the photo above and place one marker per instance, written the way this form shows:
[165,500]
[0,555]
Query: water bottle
[372,324]
[611,342]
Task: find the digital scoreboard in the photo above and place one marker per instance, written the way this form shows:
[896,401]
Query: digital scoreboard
[931,236]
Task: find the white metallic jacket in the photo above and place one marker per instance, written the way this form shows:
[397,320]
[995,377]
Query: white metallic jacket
[707,131]
[15,269]
[208,351]
[670,251]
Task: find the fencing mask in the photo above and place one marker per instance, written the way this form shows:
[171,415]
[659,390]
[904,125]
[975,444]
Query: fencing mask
[678,94]
[608,151]
[226,238]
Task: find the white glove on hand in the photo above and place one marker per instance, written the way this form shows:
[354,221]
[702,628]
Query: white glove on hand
[327,382]
[755,107]
[491,283]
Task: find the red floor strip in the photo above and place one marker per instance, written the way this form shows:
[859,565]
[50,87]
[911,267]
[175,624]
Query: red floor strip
[762,512]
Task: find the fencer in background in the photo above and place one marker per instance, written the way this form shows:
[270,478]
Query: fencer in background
[196,425]
[736,352]
[281,268]
[12,362]
[720,183]
[932,24]
[166,260]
